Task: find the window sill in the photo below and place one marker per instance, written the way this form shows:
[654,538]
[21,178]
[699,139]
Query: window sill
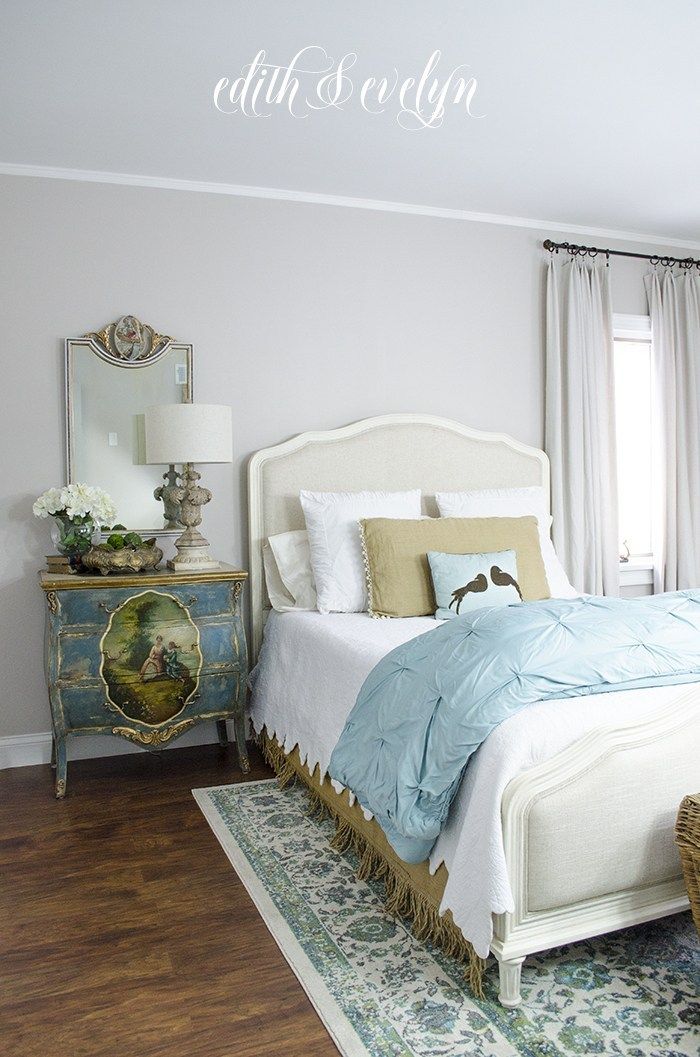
[637,572]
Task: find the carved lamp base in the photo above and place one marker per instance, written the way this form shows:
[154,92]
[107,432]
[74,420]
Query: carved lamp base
[193,554]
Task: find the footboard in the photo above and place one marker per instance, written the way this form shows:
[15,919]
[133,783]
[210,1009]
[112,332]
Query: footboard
[589,835]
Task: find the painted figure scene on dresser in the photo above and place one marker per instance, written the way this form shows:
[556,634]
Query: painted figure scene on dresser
[151,658]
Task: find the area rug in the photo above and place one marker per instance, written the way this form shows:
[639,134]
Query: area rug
[382,993]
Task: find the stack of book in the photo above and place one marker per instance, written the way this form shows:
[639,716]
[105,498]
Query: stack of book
[58,563]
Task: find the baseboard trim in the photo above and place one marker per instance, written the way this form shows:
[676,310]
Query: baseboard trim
[28,750]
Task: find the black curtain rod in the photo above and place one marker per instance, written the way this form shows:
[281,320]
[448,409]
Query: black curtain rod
[593,251]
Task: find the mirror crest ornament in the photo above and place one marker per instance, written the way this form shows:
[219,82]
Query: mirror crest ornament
[130,343]
[112,376]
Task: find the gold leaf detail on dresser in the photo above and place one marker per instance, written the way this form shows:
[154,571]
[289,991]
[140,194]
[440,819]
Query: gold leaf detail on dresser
[52,601]
[236,590]
[154,737]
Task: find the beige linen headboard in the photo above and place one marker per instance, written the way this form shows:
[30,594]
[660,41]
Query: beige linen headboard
[393,453]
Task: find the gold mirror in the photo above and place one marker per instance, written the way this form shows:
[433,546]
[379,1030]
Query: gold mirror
[112,376]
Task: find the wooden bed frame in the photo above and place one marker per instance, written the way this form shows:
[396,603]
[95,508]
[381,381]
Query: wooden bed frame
[588,834]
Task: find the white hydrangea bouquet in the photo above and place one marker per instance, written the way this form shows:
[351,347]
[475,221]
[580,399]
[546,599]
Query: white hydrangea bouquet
[79,511]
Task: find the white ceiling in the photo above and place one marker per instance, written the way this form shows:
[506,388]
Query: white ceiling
[590,107]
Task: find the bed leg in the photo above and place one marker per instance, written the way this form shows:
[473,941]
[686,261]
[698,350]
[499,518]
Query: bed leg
[509,981]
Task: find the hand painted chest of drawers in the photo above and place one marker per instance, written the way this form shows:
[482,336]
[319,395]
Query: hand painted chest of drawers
[144,657]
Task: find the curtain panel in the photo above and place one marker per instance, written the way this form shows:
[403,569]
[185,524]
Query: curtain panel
[580,423]
[674,307]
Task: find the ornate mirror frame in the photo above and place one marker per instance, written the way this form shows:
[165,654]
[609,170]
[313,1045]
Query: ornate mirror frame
[130,344]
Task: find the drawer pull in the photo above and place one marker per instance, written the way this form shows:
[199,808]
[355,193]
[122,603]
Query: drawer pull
[191,601]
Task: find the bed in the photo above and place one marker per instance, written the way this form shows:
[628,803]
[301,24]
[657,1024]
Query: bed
[583,810]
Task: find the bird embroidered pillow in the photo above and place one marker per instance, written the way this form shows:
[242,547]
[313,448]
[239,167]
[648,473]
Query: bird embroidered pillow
[466,582]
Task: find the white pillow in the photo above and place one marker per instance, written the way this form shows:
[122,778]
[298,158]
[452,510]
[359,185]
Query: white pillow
[513,502]
[291,554]
[334,541]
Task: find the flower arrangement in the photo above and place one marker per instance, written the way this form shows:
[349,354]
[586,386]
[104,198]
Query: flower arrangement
[79,511]
[76,501]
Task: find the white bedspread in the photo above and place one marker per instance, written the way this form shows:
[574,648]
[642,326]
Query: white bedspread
[310,671]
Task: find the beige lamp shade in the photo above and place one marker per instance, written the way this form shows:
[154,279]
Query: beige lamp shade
[178,433]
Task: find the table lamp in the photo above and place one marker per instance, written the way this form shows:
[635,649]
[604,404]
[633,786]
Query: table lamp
[187,434]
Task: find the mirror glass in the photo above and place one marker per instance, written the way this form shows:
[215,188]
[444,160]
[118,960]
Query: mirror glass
[109,385]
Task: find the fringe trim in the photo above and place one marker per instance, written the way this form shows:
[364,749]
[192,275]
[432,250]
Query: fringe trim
[368,576]
[401,899]
[368,572]
[277,758]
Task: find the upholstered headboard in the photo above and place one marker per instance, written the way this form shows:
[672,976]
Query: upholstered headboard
[393,452]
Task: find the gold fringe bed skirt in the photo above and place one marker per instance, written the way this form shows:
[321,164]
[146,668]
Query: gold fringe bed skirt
[688,841]
[411,892]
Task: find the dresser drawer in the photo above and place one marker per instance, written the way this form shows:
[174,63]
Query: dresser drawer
[221,642]
[93,607]
[86,706]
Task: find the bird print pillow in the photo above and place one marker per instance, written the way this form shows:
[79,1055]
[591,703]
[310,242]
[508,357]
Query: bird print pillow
[465,582]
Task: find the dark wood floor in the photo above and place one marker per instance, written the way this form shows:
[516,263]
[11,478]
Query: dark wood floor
[124,930]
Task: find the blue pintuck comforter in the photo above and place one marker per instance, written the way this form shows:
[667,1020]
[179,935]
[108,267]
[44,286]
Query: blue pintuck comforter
[429,704]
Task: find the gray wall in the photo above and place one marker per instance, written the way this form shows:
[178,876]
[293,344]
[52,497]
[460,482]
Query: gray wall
[301,317]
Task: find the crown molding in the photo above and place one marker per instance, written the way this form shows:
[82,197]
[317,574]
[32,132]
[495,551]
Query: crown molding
[279,194]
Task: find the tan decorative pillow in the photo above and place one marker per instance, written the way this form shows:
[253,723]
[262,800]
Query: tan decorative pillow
[395,552]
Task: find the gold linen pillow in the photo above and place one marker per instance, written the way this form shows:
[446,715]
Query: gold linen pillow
[396,557]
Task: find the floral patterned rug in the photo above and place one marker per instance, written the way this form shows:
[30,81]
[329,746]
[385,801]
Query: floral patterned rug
[382,993]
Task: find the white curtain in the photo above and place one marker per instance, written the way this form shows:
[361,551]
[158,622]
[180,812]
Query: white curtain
[580,423]
[674,306]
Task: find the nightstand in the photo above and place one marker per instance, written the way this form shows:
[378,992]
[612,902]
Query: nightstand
[144,656]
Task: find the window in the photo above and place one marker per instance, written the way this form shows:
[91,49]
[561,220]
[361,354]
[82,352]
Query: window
[634,441]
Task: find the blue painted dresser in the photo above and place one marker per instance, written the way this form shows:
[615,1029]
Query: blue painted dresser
[144,656]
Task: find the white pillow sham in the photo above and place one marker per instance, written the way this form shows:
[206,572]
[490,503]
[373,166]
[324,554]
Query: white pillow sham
[513,502]
[291,552]
[334,541]
[280,598]
[288,575]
